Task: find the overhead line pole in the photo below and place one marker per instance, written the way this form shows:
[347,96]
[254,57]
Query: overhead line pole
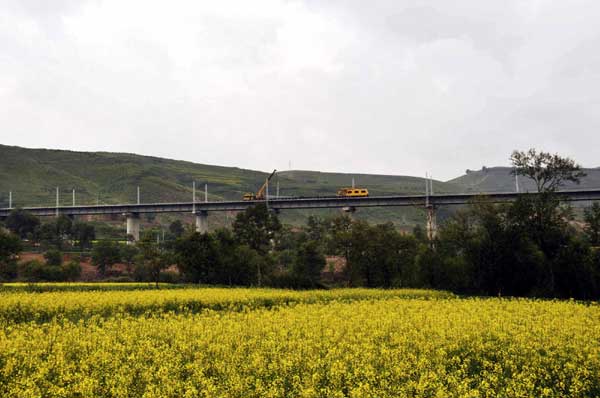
[57,200]
[193,197]
[267,195]
[431,185]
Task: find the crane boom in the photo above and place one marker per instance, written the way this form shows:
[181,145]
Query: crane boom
[260,195]
[261,192]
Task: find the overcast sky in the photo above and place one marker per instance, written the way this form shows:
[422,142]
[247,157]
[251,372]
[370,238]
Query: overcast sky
[381,86]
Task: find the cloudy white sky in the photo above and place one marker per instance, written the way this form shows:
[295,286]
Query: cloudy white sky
[384,86]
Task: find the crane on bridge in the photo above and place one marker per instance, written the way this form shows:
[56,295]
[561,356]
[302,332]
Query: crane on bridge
[260,195]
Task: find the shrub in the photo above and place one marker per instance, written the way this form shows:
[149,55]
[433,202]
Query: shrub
[71,270]
[53,257]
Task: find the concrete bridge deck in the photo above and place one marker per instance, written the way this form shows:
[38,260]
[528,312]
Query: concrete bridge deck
[297,203]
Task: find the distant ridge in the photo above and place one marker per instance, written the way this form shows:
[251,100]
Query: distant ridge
[500,179]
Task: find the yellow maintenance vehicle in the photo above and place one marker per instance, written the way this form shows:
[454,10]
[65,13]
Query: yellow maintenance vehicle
[260,195]
[353,192]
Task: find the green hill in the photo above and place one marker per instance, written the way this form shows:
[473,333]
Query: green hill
[499,179]
[100,177]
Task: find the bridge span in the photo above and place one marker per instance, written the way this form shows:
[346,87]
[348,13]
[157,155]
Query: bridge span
[201,209]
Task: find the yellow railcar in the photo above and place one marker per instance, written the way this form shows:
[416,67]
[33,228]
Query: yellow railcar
[353,192]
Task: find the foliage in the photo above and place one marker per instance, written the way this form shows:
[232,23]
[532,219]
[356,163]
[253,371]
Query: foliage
[35,271]
[592,220]
[22,223]
[128,254]
[256,227]
[105,254]
[71,270]
[53,257]
[548,171]
[84,234]
[197,258]
[10,247]
[176,228]
[308,264]
[152,259]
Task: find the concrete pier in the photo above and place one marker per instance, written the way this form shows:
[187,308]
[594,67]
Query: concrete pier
[202,222]
[133,226]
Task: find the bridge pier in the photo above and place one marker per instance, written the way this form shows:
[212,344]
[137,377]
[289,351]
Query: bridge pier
[202,221]
[133,227]
[431,223]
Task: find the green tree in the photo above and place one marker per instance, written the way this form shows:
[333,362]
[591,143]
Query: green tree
[72,270]
[548,171]
[10,247]
[64,226]
[84,233]
[256,227]
[197,257]
[308,264]
[316,228]
[542,218]
[128,254]
[153,258]
[234,267]
[176,228]
[592,220]
[53,257]
[47,235]
[341,232]
[105,254]
[22,223]
[257,265]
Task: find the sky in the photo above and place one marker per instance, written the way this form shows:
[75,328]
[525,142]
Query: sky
[398,87]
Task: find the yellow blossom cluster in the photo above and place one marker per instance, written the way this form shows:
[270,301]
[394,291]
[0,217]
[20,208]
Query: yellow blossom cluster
[75,305]
[382,345]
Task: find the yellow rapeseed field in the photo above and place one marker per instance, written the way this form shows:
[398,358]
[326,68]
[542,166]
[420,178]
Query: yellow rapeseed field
[340,343]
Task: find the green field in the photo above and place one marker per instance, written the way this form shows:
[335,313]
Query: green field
[69,341]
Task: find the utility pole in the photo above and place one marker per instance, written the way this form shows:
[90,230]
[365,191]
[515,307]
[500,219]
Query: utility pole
[430,209]
[277,187]
[205,193]
[138,195]
[10,199]
[73,197]
[193,197]
[57,200]
[267,195]
[353,182]
[431,185]
[517,182]
[426,191]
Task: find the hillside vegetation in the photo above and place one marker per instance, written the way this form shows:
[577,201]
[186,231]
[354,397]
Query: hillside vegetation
[499,179]
[100,177]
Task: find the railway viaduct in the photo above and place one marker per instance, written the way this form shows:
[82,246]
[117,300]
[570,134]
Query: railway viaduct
[202,209]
